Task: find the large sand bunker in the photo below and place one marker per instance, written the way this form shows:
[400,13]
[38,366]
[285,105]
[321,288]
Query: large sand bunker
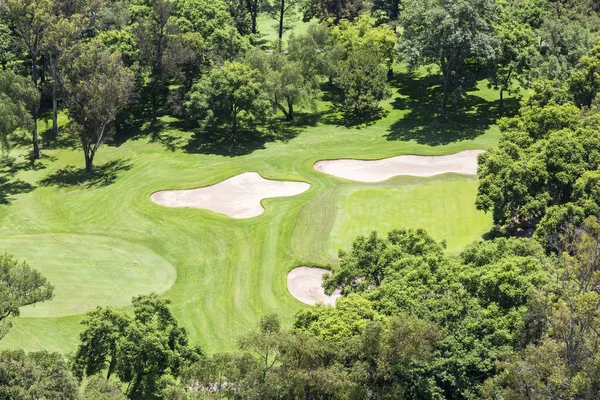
[464,162]
[304,283]
[237,197]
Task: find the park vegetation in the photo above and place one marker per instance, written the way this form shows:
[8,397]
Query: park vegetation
[514,316]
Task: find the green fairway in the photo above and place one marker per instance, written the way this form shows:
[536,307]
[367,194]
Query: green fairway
[443,206]
[230,272]
[89,270]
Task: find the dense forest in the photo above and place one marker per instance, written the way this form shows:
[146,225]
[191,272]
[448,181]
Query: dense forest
[513,316]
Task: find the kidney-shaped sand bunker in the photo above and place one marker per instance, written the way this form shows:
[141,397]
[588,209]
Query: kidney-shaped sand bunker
[237,197]
[304,283]
[88,271]
[464,162]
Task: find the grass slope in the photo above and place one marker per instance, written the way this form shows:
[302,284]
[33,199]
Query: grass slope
[230,272]
[88,271]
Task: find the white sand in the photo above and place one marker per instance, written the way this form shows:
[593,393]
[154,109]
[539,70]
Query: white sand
[464,162]
[237,197]
[304,283]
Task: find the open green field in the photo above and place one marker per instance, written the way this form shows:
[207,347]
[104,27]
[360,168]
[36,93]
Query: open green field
[228,272]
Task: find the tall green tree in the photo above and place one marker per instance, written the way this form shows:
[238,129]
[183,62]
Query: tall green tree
[231,97]
[29,21]
[448,34]
[513,58]
[20,285]
[138,349]
[18,96]
[96,86]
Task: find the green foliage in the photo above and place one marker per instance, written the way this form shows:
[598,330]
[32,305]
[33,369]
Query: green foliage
[138,349]
[332,10]
[201,16]
[540,158]
[585,78]
[231,98]
[512,61]
[20,285]
[448,34]
[17,97]
[99,388]
[96,86]
[39,375]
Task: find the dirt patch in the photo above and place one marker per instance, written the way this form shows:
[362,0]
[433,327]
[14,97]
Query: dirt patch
[304,283]
[464,162]
[237,197]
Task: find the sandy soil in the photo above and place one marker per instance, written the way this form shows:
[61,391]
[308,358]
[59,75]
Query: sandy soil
[464,162]
[304,283]
[237,197]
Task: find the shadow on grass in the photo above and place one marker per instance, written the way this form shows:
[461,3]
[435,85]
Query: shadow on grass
[219,142]
[10,187]
[102,175]
[421,97]
[339,115]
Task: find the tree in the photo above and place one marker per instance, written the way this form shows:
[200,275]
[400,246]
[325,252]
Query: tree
[71,21]
[512,62]
[202,16]
[230,97]
[20,285]
[98,344]
[334,10]
[283,9]
[389,8]
[18,96]
[29,21]
[153,32]
[253,7]
[363,80]
[584,83]
[543,156]
[139,350]
[96,86]
[37,375]
[447,33]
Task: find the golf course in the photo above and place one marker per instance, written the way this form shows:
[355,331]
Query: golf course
[100,239]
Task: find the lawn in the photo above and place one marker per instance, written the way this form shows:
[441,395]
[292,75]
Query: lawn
[228,272]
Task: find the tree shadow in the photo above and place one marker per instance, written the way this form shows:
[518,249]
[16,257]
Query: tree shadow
[219,142]
[341,116]
[102,175]
[467,118]
[9,187]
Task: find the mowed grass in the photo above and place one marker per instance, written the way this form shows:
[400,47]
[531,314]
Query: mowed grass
[88,271]
[435,204]
[230,272]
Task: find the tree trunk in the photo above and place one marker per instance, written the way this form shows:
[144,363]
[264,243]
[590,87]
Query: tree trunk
[37,154]
[89,160]
[501,96]
[281,13]
[55,131]
[444,98]
[290,110]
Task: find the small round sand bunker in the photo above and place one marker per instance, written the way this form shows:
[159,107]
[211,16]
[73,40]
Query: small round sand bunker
[237,197]
[464,162]
[304,283]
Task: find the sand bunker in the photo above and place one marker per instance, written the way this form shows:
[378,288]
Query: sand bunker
[304,283]
[237,197]
[464,162]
